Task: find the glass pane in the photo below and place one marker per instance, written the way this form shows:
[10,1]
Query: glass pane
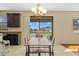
[34,26]
[46,27]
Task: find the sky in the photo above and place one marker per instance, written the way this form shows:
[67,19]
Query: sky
[35,25]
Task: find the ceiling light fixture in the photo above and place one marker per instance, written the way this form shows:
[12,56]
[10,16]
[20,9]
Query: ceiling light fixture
[38,10]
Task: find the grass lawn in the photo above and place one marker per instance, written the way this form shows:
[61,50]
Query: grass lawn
[41,32]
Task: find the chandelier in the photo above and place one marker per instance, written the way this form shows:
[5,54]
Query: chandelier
[38,10]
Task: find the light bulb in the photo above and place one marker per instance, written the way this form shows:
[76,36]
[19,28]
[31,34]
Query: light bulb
[44,11]
[33,9]
[40,8]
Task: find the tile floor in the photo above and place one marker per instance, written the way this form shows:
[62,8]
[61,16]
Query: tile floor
[59,50]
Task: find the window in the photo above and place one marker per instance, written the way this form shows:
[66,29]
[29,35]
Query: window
[3,22]
[43,26]
[76,25]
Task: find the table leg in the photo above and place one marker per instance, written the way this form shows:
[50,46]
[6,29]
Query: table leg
[49,50]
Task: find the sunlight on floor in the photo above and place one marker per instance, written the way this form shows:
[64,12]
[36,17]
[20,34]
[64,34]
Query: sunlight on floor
[71,48]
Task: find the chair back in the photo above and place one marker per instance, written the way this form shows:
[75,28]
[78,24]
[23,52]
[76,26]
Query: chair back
[1,37]
[53,42]
[26,40]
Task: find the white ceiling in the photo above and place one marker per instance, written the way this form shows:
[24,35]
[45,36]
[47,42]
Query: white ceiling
[48,6]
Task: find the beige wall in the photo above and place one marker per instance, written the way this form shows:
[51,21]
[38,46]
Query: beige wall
[63,25]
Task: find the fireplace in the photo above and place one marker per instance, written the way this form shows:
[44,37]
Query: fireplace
[14,38]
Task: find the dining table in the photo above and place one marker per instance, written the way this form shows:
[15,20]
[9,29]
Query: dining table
[39,49]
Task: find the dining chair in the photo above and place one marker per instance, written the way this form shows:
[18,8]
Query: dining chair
[3,44]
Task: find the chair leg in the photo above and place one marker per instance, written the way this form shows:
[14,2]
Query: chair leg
[3,49]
